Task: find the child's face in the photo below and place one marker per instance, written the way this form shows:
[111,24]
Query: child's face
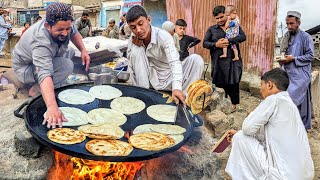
[27,26]
[180,30]
[232,15]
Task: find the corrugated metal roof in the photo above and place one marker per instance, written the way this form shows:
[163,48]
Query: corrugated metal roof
[258,20]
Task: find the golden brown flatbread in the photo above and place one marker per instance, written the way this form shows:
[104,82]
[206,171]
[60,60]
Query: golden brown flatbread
[109,147]
[66,136]
[151,141]
[102,131]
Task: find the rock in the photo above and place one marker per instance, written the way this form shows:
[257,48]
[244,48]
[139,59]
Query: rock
[190,162]
[216,121]
[245,82]
[225,106]
[217,97]
[26,145]
[255,86]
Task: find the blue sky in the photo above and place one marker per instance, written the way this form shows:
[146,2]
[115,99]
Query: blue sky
[309,9]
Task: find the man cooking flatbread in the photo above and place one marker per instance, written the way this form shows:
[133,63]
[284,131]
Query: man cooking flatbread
[42,59]
[154,60]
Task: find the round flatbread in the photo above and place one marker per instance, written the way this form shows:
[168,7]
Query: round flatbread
[127,105]
[105,92]
[151,141]
[66,136]
[75,116]
[105,115]
[104,131]
[143,128]
[177,138]
[109,147]
[75,96]
[168,129]
[162,112]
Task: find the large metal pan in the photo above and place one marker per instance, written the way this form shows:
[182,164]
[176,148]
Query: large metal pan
[35,109]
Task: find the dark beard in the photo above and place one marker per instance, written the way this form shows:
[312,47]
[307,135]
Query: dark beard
[293,32]
[56,39]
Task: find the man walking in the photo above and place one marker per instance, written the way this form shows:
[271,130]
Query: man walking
[4,26]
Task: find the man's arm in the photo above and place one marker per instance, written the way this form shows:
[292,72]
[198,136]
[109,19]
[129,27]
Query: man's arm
[76,39]
[308,57]
[194,41]
[175,66]
[42,60]
[260,116]
[4,24]
[90,28]
[238,39]
[207,43]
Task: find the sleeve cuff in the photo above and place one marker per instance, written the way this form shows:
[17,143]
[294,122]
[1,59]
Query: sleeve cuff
[176,85]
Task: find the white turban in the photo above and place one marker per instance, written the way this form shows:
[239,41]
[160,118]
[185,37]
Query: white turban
[168,26]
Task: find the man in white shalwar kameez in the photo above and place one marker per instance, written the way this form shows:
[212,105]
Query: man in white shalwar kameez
[273,143]
[154,60]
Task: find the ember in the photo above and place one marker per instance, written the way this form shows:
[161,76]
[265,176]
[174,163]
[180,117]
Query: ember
[67,167]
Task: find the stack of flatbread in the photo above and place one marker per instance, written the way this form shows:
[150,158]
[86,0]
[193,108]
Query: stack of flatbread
[154,137]
[102,131]
[102,147]
[199,95]
[66,136]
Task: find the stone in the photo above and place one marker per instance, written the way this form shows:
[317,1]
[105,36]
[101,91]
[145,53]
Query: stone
[192,161]
[216,122]
[26,145]
[255,86]
[217,97]
[245,82]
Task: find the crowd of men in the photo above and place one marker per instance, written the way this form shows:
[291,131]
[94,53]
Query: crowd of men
[272,143]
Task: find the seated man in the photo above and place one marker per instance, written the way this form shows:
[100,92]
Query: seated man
[186,42]
[112,30]
[154,59]
[273,143]
[42,59]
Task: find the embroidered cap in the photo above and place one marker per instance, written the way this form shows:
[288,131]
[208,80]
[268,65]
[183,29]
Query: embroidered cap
[294,13]
[58,11]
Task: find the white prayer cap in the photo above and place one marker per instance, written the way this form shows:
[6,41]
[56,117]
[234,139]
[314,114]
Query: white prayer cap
[112,20]
[168,26]
[294,13]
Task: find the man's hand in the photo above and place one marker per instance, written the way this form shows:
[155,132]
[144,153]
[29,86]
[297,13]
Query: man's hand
[230,134]
[287,60]
[177,95]
[53,117]
[222,43]
[85,59]
[136,41]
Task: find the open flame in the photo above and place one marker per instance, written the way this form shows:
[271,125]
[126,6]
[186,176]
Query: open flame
[67,167]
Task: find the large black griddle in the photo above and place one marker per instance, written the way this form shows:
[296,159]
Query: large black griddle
[35,109]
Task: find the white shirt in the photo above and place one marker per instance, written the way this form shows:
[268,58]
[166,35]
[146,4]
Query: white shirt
[163,57]
[277,123]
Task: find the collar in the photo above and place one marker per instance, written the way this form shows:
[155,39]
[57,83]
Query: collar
[154,33]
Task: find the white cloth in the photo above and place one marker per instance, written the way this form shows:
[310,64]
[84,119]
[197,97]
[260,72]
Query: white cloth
[273,143]
[159,64]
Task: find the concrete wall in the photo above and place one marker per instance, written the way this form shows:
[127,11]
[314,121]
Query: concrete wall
[15,4]
[85,3]
[157,11]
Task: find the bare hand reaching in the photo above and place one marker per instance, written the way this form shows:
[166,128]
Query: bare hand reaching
[54,117]
[177,95]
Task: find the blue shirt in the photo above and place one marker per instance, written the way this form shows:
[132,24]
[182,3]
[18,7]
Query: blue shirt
[301,47]
[4,28]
